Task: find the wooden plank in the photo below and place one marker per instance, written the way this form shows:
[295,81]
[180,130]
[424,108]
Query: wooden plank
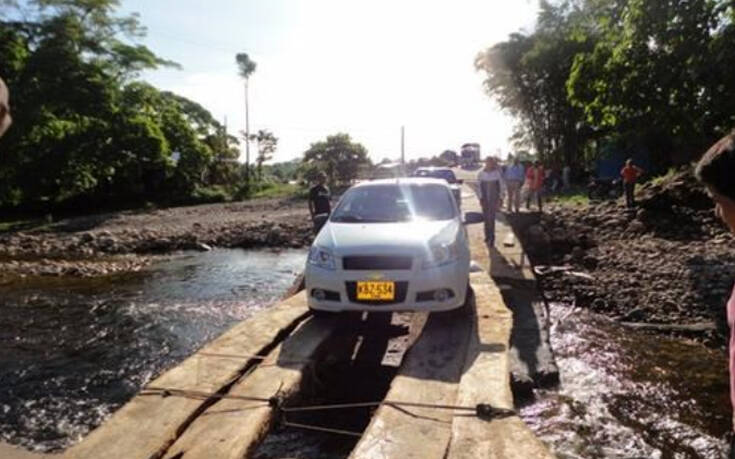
[486,379]
[233,428]
[148,424]
[14,452]
[429,374]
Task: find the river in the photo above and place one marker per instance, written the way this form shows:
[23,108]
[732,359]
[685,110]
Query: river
[73,351]
[628,394]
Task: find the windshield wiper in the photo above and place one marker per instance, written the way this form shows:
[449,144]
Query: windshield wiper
[347,218]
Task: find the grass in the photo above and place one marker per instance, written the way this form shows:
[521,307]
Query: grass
[36,224]
[661,179]
[573,198]
[279,190]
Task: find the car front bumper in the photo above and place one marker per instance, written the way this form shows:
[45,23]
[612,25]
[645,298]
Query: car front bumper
[418,284]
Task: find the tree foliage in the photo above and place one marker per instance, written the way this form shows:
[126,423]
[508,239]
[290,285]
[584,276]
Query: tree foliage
[338,157]
[84,128]
[267,143]
[647,75]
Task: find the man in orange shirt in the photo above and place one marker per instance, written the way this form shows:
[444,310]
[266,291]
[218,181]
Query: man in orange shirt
[630,174]
[5,119]
[534,184]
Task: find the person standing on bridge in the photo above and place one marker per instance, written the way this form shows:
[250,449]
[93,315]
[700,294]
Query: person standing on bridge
[5,119]
[319,204]
[715,170]
[535,183]
[492,185]
[514,175]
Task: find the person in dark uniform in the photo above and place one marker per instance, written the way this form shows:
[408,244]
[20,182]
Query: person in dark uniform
[319,205]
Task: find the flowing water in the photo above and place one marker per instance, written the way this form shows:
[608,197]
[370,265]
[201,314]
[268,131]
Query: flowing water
[72,351]
[627,394]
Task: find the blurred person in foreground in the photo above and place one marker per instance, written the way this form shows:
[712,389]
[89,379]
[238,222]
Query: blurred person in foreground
[5,119]
[716,170]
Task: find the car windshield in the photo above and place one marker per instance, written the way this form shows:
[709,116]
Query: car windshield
[395,203]
[439,173]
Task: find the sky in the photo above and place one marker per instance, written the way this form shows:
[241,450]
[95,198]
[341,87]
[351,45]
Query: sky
[327,66]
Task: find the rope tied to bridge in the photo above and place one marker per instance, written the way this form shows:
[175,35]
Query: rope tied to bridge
[484,411]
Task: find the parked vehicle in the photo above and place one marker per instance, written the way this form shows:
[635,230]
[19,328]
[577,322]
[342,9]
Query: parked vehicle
[445,174]
[391,245]
[470,154]
[604,188]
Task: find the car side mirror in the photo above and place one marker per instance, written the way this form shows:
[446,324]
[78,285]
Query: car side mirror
[473,217]
[459,181]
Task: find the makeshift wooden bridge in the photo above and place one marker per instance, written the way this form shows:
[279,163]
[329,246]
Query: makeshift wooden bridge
[451,396]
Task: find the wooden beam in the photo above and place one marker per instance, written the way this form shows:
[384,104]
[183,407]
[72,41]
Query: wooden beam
[486,380]
[148,424]
[429,374]
[233,428]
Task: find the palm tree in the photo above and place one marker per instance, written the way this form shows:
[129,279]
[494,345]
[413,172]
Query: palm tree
[246,67]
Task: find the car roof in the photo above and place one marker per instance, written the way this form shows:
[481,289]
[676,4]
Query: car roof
[402,181]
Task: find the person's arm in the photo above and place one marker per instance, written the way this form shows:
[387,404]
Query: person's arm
[311,203]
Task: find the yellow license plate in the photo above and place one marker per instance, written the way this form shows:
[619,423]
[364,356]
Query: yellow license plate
[376,291]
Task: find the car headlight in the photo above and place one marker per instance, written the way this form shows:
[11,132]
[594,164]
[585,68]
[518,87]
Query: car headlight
[441,254]
[321,257]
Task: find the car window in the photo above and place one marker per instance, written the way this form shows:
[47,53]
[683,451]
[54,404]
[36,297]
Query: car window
[395,203]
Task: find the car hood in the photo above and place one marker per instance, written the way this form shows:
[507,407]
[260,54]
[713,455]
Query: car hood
[409,237]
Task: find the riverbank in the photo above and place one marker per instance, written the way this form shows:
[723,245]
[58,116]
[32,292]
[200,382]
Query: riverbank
[129,240]
[665,266]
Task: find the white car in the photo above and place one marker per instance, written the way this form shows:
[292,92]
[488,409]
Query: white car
[391,245]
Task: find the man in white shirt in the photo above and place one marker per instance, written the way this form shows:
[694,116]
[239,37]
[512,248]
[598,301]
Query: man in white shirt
[492,187]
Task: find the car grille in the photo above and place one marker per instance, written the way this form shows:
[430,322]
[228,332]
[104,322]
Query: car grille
[400,296]
[376,262]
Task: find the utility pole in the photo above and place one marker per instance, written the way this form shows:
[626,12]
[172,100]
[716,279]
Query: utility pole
[403,149]
[247,135]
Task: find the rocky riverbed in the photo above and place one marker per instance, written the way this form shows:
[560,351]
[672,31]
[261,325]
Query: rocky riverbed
[666,266]
[127,241]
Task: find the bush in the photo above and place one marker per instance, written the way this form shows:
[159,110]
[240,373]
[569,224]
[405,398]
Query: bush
[279,190]
[209,195]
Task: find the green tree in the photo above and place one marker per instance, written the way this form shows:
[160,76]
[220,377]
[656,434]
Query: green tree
[246,67]
[267,143]
[527,76]
[338,157]
[85,130]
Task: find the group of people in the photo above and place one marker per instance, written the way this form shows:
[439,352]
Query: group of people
[514,181]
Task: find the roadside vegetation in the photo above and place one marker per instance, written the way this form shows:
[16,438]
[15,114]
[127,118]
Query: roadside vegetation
[617,78]
[89,135]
